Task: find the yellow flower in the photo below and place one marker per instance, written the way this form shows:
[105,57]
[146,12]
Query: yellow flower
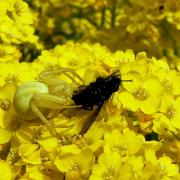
[6,104]
[5,171]
[138,64]
[150,149]
[81,166]
[16,73]
[30,153]
[126,143]
[9,53]
[21,13]
[34,172]
[170,81]
[159,67]
[113,144]
[26,133]
[167,168]
[173,78]
[74,162]
[92,139]
[47,58]
[5,135]
[170,107]
[18,11]
[9,33]
[115,121]
[141,94]
[16,24]
[124,57]
[173,17]
[61,121]
[164,167]
[137,163]
[65,157]
[8,73]
[4,7]
[150,155]
[163,125]
[108,167]
[126,172]
[48,142]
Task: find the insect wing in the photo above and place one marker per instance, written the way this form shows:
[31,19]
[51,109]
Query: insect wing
[90,121]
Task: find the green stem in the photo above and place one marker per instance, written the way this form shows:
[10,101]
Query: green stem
[113,14]
[103,17]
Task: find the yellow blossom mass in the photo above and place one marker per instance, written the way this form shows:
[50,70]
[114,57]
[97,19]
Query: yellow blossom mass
[64,48]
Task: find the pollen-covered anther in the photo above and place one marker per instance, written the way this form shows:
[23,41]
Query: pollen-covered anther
[19,8]
[2,53]
[13,155]
[170,112]
[141,94]
[110,173]
[65,140]
[5,105]
[167,85]
[45,159]
[44,170]
[162,169]
[11,78]
[121,150]
[123,153]
[81,142]
[74,167]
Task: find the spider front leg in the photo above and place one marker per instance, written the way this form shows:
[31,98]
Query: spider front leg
[52,101]
[43,119]
[41,100]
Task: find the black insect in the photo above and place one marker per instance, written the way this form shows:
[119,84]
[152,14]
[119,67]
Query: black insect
[95,94]
[151,136]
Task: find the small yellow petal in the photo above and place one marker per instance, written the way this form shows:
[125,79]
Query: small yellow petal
[128,101]
[5,135]
[5,171]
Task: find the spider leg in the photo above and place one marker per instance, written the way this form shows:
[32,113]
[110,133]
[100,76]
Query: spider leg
[72,79]
[61,71]
[43,119]
[52,101]
[52,113]
[51,127]
[75,74]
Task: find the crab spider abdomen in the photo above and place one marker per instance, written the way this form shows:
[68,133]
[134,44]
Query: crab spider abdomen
[23,96]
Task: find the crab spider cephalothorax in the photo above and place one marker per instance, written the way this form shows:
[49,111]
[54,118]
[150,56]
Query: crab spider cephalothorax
[49,92]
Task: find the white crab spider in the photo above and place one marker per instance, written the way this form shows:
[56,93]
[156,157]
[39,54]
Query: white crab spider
[31,98]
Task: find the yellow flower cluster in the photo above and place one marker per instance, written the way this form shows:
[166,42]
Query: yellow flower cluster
[16,22]
[135,136]
[118,24]
[17,32]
